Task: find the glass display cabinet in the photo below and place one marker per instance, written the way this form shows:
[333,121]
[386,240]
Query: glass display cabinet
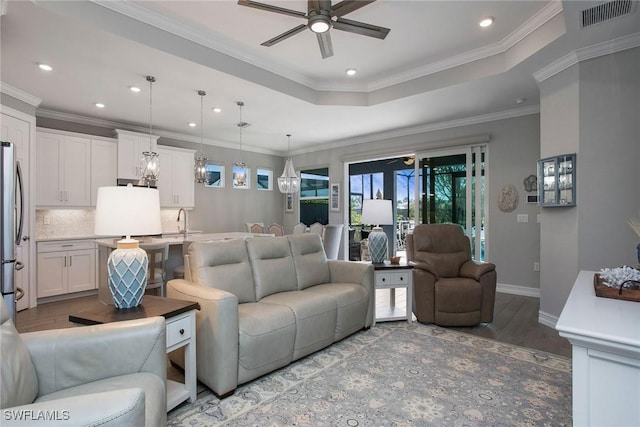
[557,181]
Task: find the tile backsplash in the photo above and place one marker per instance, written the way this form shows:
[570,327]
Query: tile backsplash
[52,223]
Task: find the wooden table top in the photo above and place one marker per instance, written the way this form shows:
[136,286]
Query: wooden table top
[151,306]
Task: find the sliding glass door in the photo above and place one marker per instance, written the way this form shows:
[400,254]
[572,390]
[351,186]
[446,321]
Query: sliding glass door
[453,191]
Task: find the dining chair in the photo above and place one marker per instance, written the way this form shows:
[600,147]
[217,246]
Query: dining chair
[317,228]
[257,228]
[158,254]
[331,240]
[249,226]
[299,228]
[276,229]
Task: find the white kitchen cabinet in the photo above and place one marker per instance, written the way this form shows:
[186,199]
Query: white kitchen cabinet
[176,180]
[66,267]
[63,169]
[131,145]
[104,165]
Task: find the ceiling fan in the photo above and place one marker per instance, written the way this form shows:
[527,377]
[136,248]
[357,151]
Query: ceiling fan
[321,17]
[408,160]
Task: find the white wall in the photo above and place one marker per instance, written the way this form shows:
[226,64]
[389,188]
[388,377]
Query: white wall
[513,151]
[592,109]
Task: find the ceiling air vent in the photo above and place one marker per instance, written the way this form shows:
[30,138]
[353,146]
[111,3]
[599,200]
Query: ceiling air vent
[606,11]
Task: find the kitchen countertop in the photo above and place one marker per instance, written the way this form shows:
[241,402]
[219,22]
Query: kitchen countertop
[179,239]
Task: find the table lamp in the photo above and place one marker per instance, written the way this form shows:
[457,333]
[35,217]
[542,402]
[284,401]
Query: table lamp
[127,211]
[377,212]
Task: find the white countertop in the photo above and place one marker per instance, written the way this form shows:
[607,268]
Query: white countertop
[179,239]
[588,318]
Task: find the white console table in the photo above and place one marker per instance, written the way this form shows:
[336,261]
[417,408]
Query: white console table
[605,335]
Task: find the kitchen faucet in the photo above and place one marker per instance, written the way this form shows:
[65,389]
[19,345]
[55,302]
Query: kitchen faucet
[186,222]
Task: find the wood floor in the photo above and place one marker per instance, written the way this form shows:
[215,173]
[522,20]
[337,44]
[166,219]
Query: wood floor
[515,320]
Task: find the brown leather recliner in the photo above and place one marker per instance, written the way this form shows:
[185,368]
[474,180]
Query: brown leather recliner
[450,289]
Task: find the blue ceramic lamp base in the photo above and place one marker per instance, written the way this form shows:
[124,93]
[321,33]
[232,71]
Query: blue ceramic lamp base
[127,276]
[378,244]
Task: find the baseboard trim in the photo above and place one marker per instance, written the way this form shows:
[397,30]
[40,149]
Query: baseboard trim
[547,319]
[518,290]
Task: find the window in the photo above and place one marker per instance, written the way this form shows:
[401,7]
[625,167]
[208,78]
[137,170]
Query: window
[314,196]
[264,179]
[215,175]
[362,187]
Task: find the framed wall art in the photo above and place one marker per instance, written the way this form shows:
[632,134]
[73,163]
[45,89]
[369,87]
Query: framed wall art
[334,197]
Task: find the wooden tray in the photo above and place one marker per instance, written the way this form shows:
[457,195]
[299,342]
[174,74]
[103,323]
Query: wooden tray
[604,291]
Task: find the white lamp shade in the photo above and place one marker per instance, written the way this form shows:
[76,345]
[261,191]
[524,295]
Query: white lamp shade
[377,212]
[127,211]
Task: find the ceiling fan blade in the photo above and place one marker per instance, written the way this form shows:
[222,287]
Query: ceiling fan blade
[270,8]
[361,28]
[326,48]
[348,6]
[284,36]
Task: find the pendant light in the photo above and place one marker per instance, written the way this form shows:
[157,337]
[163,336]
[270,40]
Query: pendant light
[289,182]
[150,162]
[240,169]
[200,165]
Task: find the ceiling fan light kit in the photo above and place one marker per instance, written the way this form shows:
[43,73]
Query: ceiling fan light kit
[321,17]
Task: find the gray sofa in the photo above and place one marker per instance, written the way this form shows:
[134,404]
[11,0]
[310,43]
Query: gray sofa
[267,301]
[108,375]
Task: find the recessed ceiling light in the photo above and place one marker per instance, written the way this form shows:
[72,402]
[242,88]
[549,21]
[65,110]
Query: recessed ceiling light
[99,105]
[217,109]
[134,89]
[45,67]
[351,71]
[485,22]
[192,125]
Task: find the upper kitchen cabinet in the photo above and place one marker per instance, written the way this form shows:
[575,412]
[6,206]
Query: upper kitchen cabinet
[104,165]
[63,169]
[131,145]
[176,181]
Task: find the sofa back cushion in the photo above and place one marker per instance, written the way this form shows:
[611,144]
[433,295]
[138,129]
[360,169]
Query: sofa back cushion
[223,264]
[18,378]
[272,265]
[312,267]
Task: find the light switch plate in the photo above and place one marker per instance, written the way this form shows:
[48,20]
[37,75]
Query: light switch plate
[523,218]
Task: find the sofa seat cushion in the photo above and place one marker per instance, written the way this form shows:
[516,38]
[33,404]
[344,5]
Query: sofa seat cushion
[152,386]
[315,315]
[266,338]
[458,301]
[352,301]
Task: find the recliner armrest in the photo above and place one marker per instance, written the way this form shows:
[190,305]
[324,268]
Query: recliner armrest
[475,270]
[424,266]
[117,408]
[355,272]
[65,358]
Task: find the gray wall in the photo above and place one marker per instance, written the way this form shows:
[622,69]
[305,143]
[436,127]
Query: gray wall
[593,109]
[513,151]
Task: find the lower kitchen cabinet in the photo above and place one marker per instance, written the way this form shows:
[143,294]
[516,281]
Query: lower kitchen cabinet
[66,267]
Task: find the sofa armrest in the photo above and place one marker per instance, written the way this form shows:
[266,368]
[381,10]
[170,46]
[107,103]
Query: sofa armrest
[65,358]
[112,408]
[217,334]
[356,272]
[475,270]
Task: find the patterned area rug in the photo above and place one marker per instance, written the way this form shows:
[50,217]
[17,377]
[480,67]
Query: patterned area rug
[396,374]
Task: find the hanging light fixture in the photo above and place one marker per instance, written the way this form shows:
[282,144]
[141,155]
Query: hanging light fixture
[289,182]
[200,166]
[150,162]
[240,169]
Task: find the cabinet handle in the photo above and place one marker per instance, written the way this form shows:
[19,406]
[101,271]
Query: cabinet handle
[67,246]
[181,331]
[384,280]
[70,260]
[401,278]
[65,261]
[60,197]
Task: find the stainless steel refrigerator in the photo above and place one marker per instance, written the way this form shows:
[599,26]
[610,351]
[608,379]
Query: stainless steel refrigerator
[12,217]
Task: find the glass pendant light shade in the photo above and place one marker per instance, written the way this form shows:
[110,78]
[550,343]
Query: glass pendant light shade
[289,182]
[240,169]
[150,162]
[200,163]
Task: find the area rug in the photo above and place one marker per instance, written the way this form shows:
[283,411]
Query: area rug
[396,374]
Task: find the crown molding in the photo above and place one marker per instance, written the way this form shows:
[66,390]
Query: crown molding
[531,25]
[414,130]
[206,39]
[589,52]
[92,121]
[21,95]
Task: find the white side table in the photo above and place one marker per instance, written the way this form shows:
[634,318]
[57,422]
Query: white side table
[391,277]
[180,326]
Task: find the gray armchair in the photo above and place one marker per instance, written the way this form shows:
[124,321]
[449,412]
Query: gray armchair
[450,289]
[107,375]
